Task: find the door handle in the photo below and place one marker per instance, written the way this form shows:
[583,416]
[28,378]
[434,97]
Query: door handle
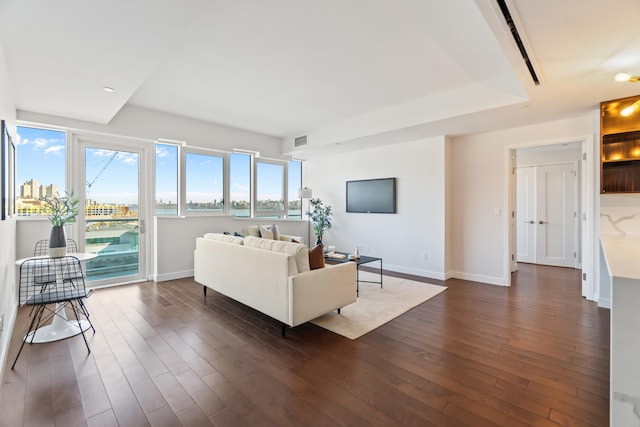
[542,222]
[532,222]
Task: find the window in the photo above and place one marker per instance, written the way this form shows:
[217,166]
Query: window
[166,179]
[294,205]
[240,184]
[269,189]
[204,177]
[40,167]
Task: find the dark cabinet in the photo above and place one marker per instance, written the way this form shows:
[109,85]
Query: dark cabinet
[619,147]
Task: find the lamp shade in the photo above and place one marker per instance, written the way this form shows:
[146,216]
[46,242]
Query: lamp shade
[305,193]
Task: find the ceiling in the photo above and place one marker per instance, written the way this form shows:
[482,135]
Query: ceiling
[342,72]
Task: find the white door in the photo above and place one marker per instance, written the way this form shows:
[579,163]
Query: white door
[526,227]
[556,213]
[547,215]
[112,175]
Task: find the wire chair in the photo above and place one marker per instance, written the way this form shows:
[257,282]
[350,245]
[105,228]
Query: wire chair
[64,287]
[42,247]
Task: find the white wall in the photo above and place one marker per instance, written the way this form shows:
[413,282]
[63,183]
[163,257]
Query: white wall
[479,184]
[8,296]
[400,239]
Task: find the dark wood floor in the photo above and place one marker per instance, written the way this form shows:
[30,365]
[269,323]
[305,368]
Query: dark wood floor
[536,354]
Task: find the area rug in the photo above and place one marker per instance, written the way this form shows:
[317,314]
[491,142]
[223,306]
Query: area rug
[376,306]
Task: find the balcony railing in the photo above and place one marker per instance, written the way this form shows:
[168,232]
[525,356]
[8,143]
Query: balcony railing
[115,240]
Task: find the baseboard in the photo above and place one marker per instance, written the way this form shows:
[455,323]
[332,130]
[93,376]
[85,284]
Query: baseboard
[498,281]
[172,276]
[604,303]
[413,271]
[7,331]
[490,280]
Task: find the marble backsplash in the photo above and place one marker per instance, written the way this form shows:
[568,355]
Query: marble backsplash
[620,214]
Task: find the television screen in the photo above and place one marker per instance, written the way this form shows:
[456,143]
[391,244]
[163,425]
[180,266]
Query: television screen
[372,196]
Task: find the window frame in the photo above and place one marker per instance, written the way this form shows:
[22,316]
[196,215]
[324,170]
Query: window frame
[252,183]
[182,170]
[66,174]
[268,214]
[179,147]
[296,191]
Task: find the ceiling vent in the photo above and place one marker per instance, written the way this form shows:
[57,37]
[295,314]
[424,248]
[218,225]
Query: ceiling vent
[300,141]
[516,37]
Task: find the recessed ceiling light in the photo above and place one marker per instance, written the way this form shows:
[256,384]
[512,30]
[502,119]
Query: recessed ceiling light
[624,77]
[109,89]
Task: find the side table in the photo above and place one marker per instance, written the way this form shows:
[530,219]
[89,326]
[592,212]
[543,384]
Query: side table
[364,259]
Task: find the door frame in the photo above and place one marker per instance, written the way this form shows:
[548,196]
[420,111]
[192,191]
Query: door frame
[81,141]
[589,212]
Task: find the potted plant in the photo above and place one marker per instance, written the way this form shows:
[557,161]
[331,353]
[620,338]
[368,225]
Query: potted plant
[60,210]
[320,216]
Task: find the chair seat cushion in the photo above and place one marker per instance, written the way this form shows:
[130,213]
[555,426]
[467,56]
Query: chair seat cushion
[56,296]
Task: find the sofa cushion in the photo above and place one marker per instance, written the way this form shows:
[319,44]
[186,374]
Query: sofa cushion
[289,238]
[316,257]
[297,250]
[224,238]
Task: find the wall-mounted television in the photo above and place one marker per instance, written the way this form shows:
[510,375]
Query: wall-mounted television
[372,196]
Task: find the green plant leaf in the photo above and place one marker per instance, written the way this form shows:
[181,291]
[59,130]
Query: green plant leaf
[62,209]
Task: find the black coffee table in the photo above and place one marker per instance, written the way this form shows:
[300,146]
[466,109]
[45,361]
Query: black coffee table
[364,259]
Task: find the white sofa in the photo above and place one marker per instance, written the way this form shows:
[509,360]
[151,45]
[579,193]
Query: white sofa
[272,277]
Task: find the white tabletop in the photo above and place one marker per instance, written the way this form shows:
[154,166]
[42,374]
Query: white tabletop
[82,256]
[622,254]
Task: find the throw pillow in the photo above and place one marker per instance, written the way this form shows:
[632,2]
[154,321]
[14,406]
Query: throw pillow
[316,257]
[252,230]
[276,232]
[266,233]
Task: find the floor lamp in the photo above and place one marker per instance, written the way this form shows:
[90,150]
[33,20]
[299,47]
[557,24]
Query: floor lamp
[306,193]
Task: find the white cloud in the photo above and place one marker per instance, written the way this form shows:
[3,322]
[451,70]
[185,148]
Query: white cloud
[102,153]
[161,151]
[54,149]
[130,160]
[42,143]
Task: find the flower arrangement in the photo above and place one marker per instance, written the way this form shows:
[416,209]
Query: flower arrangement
[61,210]
[320,216]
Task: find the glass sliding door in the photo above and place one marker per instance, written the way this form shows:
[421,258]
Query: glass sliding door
[113,225]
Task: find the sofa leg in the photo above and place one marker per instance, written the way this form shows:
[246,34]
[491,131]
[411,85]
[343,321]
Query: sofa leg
[284,330]
[204,290]
[338,311]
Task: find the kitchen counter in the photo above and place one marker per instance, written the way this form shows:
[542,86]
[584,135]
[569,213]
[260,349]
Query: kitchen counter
[622,258]
[622,254]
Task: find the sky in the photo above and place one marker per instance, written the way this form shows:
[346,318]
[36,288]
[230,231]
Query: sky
[41,155]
